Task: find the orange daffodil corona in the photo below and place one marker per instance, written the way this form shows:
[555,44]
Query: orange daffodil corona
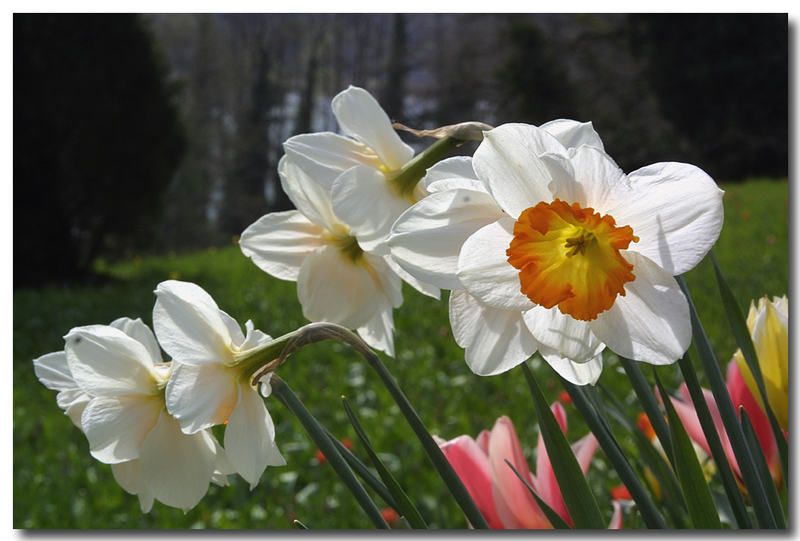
[333,245]
[549,246]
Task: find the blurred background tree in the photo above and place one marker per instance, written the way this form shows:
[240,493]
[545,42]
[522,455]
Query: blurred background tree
[97,137]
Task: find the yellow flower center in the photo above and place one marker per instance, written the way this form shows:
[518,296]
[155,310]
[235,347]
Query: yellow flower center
[569,257]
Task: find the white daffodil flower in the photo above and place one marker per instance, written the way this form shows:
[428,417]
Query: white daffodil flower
[357,168]
[337,281]
[577,253]
[210,381]
[111,380]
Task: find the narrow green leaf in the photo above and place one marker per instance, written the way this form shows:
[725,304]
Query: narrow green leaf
[763,469]
[404,505]
[650,514]
[729,484]
[745,342]
[284,394]
[575,489]
[362,471]
[299,525]
[690,473]
[555,520]
[649,403]
[752,480]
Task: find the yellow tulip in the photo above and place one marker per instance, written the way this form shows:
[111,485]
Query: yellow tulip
[769,328]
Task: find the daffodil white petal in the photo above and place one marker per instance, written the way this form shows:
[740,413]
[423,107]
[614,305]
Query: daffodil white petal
[378,332]
[650,323]
[452,173]
[576,373]
[360,116]
[508,158]
[595,181]
[136,329]
[363,199]
[105,361]
[331,287]
[250,437]
[201,396]
[53,371]
[676,211]
[323,156]
[311,197]
[494,341]
[253,338]
[572,133]
[73,402]
[484,270]
[427,238]
[129,476]
[234,330]
[568,336]
[116,427]
[175,466]
[423,287]
[278,242]
[188,324]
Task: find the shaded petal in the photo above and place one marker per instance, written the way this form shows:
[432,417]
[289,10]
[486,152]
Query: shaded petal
[572,133]
[53,371]
[570,337]
[427,238]
[378,332]
[136,329]
[508,158]
[425,288]
[770,332]
[311,197]
[597,182]
[129,476]
[364,200]
[485,272]
[201,396]
[175,466]
[331,287]
[471,464]
[515,505]
[616,518]
[280,241]
[189,326]
[452,173]
[576,373]
[73,402]
[650,323]
[116,427]
[250,437]
[584,450]
[676,211]
[495,340]
[323,156]
[105,361]
[360,116]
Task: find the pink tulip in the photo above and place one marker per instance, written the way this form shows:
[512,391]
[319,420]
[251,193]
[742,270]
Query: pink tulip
[741,397]
[502,498]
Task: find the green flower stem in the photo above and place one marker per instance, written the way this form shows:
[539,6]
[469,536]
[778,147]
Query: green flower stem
[714,444]
[317,433]
[411,173]
[752,480]
[651,515]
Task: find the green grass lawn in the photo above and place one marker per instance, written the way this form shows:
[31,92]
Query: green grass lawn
[58,485]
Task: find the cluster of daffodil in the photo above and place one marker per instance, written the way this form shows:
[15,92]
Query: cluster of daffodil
[150,419]
[544,243]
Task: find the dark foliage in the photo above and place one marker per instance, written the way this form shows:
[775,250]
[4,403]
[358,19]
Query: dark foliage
[96,140]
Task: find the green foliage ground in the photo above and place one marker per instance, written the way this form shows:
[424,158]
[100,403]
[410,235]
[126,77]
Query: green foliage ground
[58,485]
